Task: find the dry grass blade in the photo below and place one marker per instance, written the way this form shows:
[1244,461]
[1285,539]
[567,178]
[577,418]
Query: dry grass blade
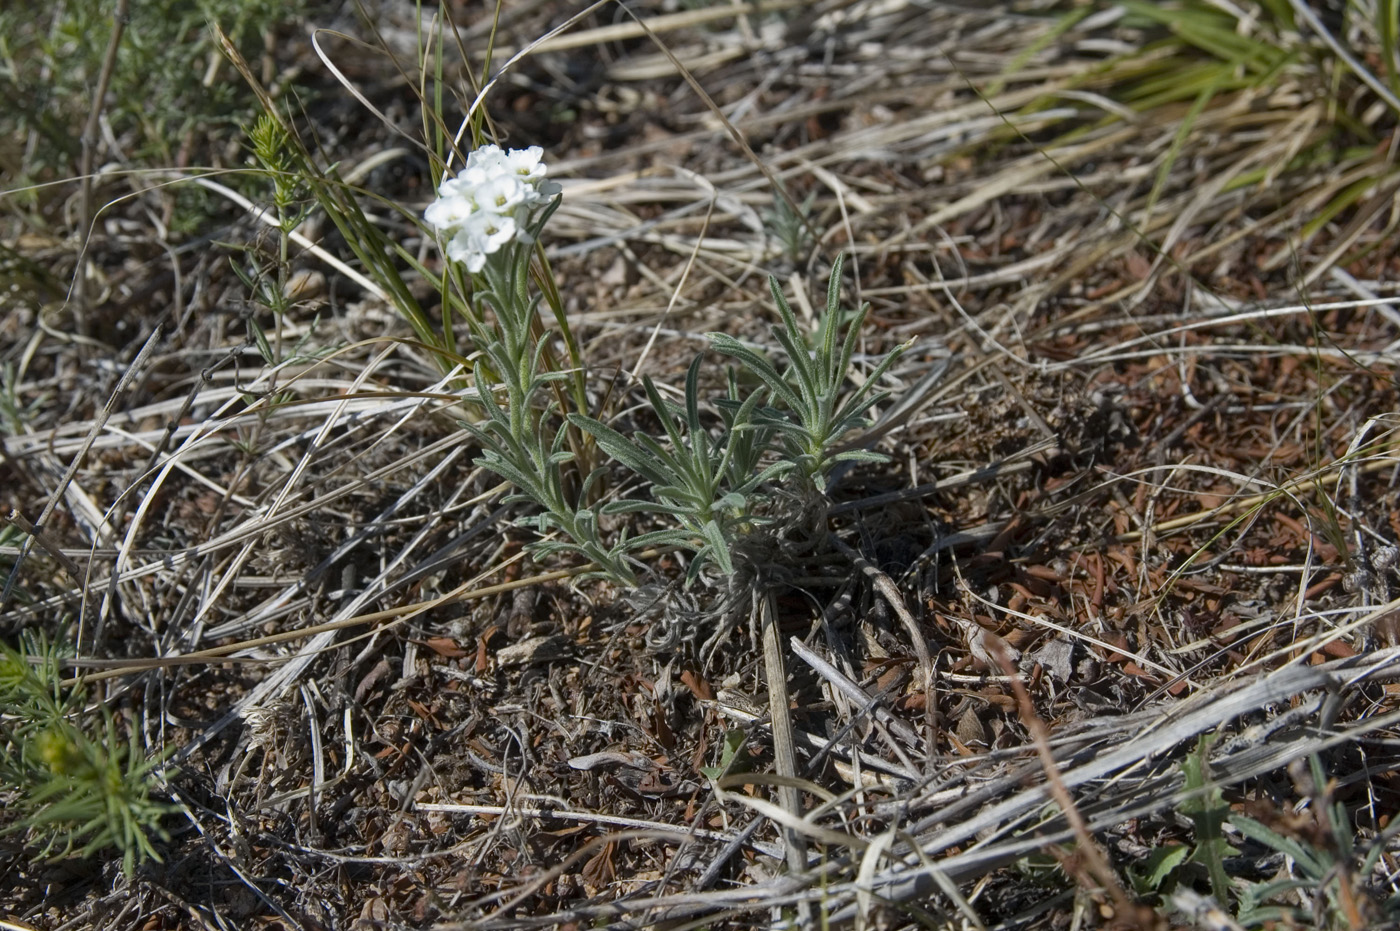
[886,587]
[1142,445]
[79,459]
[780,725]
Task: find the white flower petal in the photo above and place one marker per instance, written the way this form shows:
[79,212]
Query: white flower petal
[502,194]
[526,164]
[494,230]
[461,248]
[489,160]
[455,187]
[446,213]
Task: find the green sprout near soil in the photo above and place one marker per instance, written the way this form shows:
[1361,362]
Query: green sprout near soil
[812,417]
[79,788]
[1323,884]
[791,225]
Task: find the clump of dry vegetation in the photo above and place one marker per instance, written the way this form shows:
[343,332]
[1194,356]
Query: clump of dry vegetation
[1090,619]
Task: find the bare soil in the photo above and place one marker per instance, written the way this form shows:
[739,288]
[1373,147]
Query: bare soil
[1144,453]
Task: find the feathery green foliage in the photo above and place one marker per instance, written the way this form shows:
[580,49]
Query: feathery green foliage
[81,789]
[50,59]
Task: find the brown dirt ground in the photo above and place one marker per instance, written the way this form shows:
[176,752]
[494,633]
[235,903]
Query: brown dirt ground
[1123,533]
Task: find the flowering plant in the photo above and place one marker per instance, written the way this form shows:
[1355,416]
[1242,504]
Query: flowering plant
[493,201]
[711,477]
[490,217]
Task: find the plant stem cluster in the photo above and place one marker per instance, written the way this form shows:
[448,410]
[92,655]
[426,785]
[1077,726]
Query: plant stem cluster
[717,467]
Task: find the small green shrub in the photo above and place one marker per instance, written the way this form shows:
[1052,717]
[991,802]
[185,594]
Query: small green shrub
[51,60]
[79,788]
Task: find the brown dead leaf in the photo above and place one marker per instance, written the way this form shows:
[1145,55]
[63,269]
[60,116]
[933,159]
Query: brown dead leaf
[698,685]
[445,646]
[600,869]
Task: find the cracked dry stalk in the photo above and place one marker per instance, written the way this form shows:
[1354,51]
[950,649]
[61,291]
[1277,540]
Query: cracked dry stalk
[780,723]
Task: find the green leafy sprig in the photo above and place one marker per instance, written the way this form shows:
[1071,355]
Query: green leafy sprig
[714,483]
[521,436]
[690,473]
[810,387]
[82,789]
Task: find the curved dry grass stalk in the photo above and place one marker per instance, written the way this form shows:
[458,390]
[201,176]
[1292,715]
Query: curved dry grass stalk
[1134,447]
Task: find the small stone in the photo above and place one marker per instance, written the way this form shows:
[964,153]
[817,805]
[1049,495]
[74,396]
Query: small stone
[534,650]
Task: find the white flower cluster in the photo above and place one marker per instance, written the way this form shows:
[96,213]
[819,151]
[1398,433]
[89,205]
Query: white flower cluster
[490,202]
